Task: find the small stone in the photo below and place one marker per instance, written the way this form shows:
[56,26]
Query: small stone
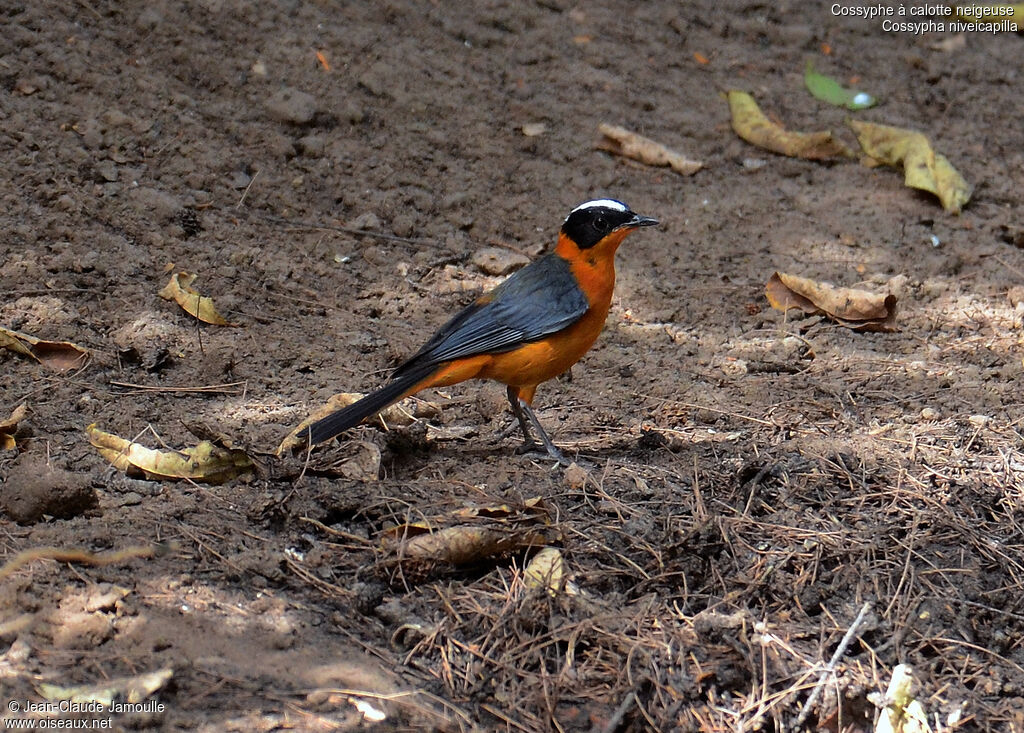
[149,19]
[115,118]
[311,145]
[107,170]
[29,85]
[1016,295]
[575,476]
[33,489]
[291,105]
[979,421]
[367,221]
[132,498]
[403,225]
[239,180]
[104,597]
[92,137]
[378,79]
[735,367]
[497,261]
[898,285]
[929,414]
[352,112]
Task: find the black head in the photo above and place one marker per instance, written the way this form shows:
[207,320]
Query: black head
[591,222]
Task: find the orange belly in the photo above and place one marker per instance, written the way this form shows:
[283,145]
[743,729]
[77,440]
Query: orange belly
[537,362]
[530,364]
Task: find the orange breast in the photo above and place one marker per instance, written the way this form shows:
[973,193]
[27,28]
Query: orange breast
[539,361]
[542,360]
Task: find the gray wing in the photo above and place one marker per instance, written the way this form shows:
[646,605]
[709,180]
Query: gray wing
[537,301]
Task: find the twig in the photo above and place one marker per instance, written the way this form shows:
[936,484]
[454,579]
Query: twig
[336,532]
[830,667]
[84,557]
[246,191]
[208,388]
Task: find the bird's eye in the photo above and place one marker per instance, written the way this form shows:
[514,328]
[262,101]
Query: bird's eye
[600,223]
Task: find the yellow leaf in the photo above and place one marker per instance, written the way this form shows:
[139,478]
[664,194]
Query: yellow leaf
[620,141]
[180,290]
[923,168]
[10,426]
[204,462]
[903,712]
[546,570]
[859,310]
[129,689]
[57,355]
[751,124]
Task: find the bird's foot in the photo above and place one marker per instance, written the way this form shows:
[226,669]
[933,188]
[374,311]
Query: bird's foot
[549,450]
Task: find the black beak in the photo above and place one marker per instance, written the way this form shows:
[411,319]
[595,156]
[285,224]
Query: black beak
[641,221]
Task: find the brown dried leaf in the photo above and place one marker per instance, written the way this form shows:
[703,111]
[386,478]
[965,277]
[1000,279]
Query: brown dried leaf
[751,124]
[620,141]
[199,306]
[60,356]
[859,310]
[533,509]
[460,545]
[9,427]
[204,462]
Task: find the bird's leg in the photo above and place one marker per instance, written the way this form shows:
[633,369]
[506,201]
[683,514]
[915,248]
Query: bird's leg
[524,413]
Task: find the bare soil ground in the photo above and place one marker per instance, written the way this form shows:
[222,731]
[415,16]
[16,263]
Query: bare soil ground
[749,482]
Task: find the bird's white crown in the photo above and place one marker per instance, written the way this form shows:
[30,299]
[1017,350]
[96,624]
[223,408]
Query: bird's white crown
[605,203]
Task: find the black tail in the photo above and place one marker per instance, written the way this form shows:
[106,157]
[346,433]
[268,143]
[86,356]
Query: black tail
[338,422]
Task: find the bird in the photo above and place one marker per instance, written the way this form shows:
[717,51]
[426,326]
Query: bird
[530,328]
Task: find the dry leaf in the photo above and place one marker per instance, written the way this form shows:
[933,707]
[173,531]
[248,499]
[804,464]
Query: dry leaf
[923,168]
[122,689]
[546,570]
[532,509]
[180,290]
[422,548]
[460,545]
[204,462]
[9,427]
[859,310]
[750,123]
[621,141]
[402,413]
[57,355]
[901,711]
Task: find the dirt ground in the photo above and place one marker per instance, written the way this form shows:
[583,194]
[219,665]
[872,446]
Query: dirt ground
[748,483]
